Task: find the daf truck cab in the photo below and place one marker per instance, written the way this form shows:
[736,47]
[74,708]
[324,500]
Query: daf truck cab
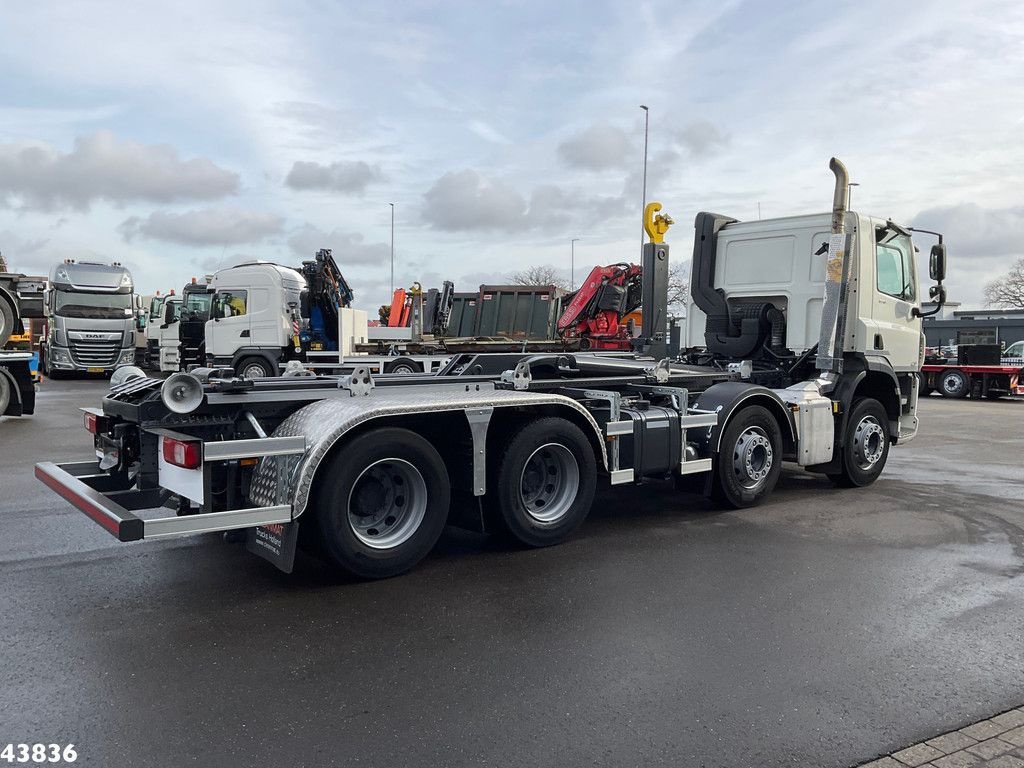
[253,318]
[90,310]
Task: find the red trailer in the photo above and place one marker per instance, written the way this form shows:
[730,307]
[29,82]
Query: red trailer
[953,380]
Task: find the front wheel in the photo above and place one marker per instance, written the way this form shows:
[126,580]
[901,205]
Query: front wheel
[544,484]
[382,503]
[749,458]
[865,446]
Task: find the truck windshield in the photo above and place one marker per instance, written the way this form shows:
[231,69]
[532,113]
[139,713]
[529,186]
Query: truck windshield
[95,306]
[197,306]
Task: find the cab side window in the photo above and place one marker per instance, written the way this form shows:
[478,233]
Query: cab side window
[230,303]
[893,269]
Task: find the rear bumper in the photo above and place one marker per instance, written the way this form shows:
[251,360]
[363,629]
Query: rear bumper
[85,486]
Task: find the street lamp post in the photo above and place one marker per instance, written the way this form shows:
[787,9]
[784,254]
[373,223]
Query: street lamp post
[572,264]
[392,248]
[849,194]
[643,202]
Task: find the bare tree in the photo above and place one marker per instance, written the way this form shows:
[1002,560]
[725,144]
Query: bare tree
[678,288]
[540,275]
[1008,290]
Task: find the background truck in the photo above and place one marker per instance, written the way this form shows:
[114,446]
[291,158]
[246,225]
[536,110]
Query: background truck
[813,346]
[197,298]
[981,368]
[90,313]
[21,297]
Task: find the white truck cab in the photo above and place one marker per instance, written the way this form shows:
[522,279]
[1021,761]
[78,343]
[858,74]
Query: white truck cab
[165,334]
[250,327]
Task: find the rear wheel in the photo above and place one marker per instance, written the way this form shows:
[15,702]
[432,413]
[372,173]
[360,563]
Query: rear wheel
[5,394]
[954,384]
[381,513]
[254,368]
[7,321]
[865,446]
[749,458]
[544,484]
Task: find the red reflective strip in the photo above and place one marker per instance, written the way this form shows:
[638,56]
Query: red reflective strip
[97,514]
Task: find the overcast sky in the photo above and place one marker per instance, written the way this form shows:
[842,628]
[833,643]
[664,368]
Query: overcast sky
[179,137]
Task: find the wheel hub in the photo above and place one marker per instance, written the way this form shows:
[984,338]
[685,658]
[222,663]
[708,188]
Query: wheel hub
[752,457]
[387,503]
[868,442]
[549,483]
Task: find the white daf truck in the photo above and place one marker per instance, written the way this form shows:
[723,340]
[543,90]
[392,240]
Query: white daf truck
[90,316]
[810,346]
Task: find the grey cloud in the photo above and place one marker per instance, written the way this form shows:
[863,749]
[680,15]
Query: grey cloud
[464,200]
[600,147]
[701,138]
[211,226]
[101,166]
[973,231]
[350,248]
[344,176]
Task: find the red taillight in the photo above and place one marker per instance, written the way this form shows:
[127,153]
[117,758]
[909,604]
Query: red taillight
[94,423]
[183,453]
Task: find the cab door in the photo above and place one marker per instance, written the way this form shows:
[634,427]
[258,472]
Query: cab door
[230,326]
[896,331]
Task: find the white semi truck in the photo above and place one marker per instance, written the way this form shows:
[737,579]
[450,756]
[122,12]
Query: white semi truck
[812,343]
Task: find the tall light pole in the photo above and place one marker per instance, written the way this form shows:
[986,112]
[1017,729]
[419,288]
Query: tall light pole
[572,264]
[643,203]
[849,194]
[392,248]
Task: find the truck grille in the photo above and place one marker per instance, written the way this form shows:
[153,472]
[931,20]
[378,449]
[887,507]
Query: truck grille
[94,353]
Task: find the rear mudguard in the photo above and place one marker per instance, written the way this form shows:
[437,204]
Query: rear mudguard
[288,479]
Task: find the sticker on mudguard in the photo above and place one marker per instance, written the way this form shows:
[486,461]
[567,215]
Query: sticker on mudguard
[275,542]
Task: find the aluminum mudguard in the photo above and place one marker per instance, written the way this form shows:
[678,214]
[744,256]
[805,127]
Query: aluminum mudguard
[288,479]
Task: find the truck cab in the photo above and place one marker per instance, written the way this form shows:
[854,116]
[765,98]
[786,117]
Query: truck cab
[90,309]
[251,318]
[165,335]
[197,299]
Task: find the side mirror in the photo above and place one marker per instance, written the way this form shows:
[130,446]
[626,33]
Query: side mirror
[215,310]
[140,322]
[937,263]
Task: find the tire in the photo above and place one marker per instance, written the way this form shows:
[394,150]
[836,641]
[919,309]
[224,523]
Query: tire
[7,321]
[382,503]
[5,394]
[749,458]
[954,384]
[525,505]
[254,368]
[403,366]
[865,446]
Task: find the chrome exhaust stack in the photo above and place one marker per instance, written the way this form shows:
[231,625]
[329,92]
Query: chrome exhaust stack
[841,196]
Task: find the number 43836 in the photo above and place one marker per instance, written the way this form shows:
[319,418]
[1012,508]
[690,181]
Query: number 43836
[38,753]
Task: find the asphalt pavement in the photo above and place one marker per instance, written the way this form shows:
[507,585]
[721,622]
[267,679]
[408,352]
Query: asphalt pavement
[824,628]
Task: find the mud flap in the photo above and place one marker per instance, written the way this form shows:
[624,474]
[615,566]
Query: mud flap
[276,543]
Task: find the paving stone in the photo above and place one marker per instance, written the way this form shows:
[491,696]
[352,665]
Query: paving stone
[1006,761]
[957,760]
[986,729]
[990,748]
[884,762]
[1016,736]
[948,743]
[919,754]
[1012,719]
